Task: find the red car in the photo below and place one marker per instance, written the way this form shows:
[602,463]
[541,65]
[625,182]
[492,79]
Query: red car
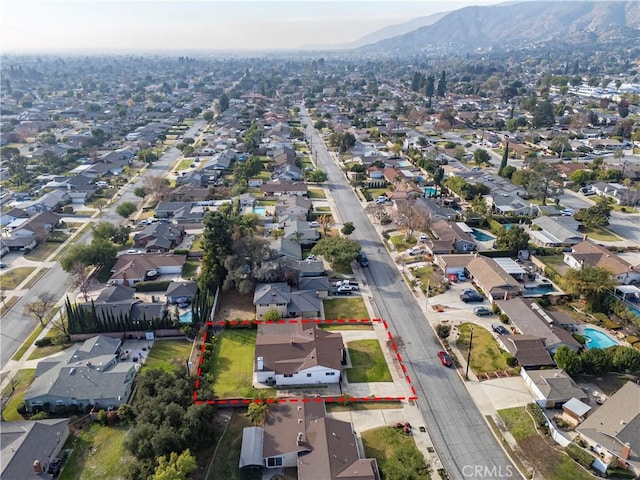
[445,358]
[453,278]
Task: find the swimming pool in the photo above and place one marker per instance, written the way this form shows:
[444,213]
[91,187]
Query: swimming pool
[539,290]
[430,191]
[260,211]
[481,236]
[634,310]
[597,339]
[186,317]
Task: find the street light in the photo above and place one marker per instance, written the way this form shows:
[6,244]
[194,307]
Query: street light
[466,375]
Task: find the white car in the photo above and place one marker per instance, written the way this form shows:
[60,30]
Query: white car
[381,199]
[423,237]
[133,251]
[314,224]
[567,212]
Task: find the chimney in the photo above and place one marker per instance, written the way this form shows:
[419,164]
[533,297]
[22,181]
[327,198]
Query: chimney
[260,363]
[37,468]
[291,342]
[626,450]
[299,438]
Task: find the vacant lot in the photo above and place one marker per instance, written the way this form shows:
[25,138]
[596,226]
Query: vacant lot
[232,363]
[98,454]
[385,443]
[486,356]
[345,308]
[368,363]
[14,277]
[169,355]
[235,307]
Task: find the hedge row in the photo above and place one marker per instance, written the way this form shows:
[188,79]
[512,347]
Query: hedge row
[153,286]
[580,455]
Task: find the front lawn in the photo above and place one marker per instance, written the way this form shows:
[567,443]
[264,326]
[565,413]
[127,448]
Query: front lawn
[225,463]
[428,277]
[519,422]
[42,251]
[401,242]
[98,454]
[232,363]
[338,407]
[486,356]
[601,234]
[316,193]
[368,363]
[385,444]
[169,355]
[14,277]
[345,308]
[21,383]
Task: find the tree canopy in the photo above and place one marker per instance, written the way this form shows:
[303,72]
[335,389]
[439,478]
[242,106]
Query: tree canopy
[337,250]
[512,239]
[593,283]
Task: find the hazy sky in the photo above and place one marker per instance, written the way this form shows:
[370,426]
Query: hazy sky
[151,25]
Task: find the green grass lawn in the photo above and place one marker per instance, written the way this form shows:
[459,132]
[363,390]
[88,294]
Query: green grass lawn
[196,246]
[28,342]
[336,308]
[368,363]
[556,262]
[518,421]
[402,243]
[322,210]
[169,355]
[184,164]
[98,454]
[427,276]
[599,233]
[42,251]
[225,463]
[383,444]
[316,193]
[232,363]
[337,407]
[21,381]
[14,277]
[190,269]
[336,327]
[486,356]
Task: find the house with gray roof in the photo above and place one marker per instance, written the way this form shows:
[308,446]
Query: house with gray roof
[435,209]
[181,291]
[492,279]
[555,232]
[287,302]
[300,231]
[298,354]
[159,237]
[300,435]
[287,248]
[450,237]
[28,447]
[85,375]
[528,350]
[612,431]
[508,204]
[552,387]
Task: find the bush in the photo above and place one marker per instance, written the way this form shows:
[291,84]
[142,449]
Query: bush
[580,455]
[152,286]
[538,415]
[43,342]
[443,330]
[579,338]
[619,473]
[67,209]
[180,251]
[102,416]
[511,361]
[22,409]
[504,318]
[40,416]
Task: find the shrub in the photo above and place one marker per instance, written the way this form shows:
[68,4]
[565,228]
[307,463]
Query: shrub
[102,416]
[619,473]
[511,361]
[580,455]
[43,342]
[22,409]
[443,330]
[579,338]
[538,415]
[40,416]
[504,318]
[67,209]
[180,251]
[153,286]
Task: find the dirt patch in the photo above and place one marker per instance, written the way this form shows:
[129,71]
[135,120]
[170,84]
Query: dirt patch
[234,306]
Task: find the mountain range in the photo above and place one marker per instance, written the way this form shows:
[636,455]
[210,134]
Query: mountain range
[513,24]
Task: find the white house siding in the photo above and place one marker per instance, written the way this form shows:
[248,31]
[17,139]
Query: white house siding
[310,376]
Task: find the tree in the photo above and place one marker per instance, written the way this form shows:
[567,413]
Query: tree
[337,250]
[125,209]
[326,223]
[217,244]
[544,180]
[147,156]
[568,360]
[156,186]
[40,308]
[592,283]
[177,467]
[429,88]
[623,108]
[104,230]
[442,85]
[411,218]
[317,176]
[347,228]
[581,177]
[481,156]
[560,144]
[208,115]
[596,361]
[597,215]
[83,280]
[258,409]
[512,125]
[504,161]
[223,102]
[406,463]
[459,152]
[626,359]
[512,239]
[543,115]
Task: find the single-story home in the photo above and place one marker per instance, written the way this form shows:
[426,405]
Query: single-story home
[181,291]
[587,253]
[287,302]
[556,232]
[133,268]
[450,237]
[552,387]
[494,281]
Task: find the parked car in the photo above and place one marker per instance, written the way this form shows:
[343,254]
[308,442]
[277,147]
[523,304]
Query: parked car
[314,224]
[342,291]
[482,311]
[453,278]
[347,283]
[381,199]
[461,276]
[54,467]
[567,212]
[499,329]
[416,250]
[3,265]
[423,237]
[445,358]
[362,259]
[133,251]
[471,296]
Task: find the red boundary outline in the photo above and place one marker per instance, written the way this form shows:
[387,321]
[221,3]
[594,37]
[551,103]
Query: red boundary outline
[247,401]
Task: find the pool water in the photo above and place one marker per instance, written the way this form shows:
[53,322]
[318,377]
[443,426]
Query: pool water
[634,310]
[481,236]
[260,211]
[539,290]
[430,191]
[186,317]
[597,339]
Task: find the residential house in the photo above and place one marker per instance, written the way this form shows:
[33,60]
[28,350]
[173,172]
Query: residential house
[529,318]
[587,253]
[575,411]
[28,447]
[277,189]
[119,301]
[87,375]
[450,237]
[612,430]
[529,351]
[556,232]
[307,267]
[169,209]
[280,297]
[319,284]
[295,354]
[287,248]
[287,172]
[508,204]
[552,387]
[301,232]
[293,207]
[247,199]
[50,201]
[619,193]
[453,263]
[300,435]
[159,237]
[437,208]
[181,291]
[38,226]
[133,268]
[221,161]
[492,279]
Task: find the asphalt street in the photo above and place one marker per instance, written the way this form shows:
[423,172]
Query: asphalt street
[460,435]
[14,326]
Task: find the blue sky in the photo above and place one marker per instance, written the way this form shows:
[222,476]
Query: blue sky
[151,25]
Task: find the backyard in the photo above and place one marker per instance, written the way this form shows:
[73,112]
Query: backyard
[556,262]
[367,362]
[486,356]
[232,363]
[385,443]
[225,463]
[547,458]
[169,355]
[98,454]
[344,308]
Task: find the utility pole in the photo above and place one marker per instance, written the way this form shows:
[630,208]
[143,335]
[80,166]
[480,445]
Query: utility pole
[466,375]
